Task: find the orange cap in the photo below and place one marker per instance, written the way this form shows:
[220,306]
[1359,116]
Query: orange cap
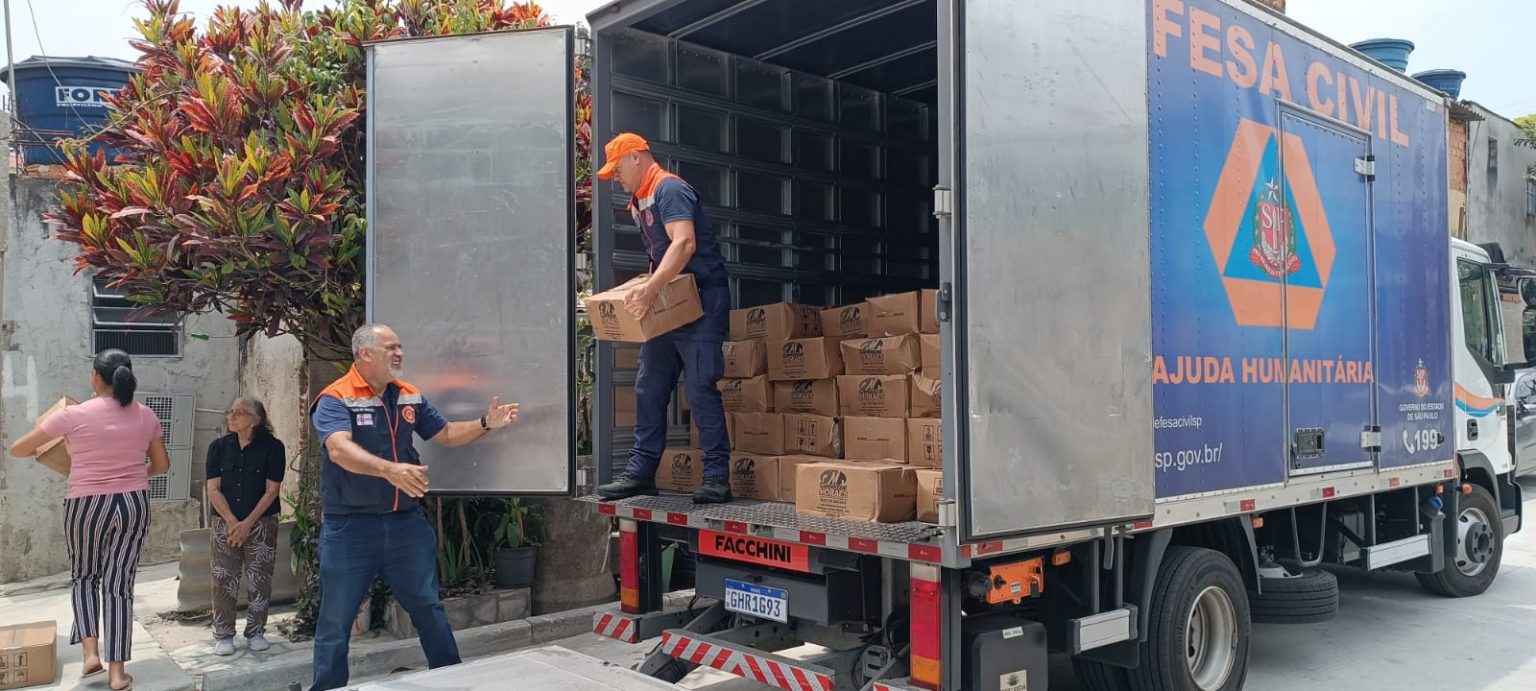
[622,144]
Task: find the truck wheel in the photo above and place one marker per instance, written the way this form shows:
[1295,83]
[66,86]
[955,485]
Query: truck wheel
[1197,636]
[1479,549]
[1101,676]
[1306,598]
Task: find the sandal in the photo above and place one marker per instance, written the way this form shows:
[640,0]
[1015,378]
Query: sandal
[93,671]
[126,687]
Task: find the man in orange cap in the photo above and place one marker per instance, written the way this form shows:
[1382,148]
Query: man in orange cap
[678,238]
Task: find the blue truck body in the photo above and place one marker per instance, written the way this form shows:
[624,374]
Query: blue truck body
[1299,253]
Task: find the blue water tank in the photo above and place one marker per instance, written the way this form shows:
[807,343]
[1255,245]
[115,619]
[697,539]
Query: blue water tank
[1392,52]
[59,98]
[1447,82]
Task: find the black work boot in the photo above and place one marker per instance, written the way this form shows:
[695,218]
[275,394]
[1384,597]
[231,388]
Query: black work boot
[626,485]
[715,490]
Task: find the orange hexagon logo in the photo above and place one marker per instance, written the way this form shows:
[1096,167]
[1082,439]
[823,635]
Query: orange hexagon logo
[1268,232]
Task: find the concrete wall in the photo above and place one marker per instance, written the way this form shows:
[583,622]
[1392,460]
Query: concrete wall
[1496,201]
[45,353]
[271,370]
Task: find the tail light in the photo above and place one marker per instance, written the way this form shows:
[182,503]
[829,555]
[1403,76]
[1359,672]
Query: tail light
[926,620]
[629,567]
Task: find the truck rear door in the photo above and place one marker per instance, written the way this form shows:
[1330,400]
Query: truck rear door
[1052,417]
[471,216]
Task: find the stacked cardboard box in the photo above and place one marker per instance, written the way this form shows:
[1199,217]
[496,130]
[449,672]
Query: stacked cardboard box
[889,400]
[805,388]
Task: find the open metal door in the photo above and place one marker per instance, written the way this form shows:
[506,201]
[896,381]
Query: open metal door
[1052,335]
[471,215]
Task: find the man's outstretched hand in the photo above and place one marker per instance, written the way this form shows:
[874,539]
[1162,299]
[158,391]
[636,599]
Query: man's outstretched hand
[499,415]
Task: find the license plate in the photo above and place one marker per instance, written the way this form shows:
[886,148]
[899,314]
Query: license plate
[757,600]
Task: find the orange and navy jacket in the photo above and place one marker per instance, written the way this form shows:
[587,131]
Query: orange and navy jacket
[383,426]
[663,198]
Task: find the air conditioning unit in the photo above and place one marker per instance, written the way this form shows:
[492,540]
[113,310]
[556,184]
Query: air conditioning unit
[175,412]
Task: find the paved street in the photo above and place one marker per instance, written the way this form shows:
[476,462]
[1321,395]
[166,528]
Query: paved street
[1389,634]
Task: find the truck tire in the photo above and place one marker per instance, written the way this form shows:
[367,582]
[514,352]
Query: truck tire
[1101,676]
[1307,598]
[1479,549]
[1198,624]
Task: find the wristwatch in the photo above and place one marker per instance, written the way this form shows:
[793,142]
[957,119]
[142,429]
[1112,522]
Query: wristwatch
[484,425]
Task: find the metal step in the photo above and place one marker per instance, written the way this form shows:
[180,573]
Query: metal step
[767,668]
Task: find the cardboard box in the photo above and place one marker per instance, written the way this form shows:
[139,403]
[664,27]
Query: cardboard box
[808,397]
[875,439]
[55,454]
[693,431]
[681,470]
[880,492]
[788,465]
[758,433]
[28,653]
[894,315]
[676,305]
[874,395]
[745,359]
[626,358]
[928,320]
[929,352]
[890,355]
[844,322]
[930,489]
[624,406]
[807,358]
[784,321]
[754,476]
[746,395]
[927,396]
[925,442]
[813,435]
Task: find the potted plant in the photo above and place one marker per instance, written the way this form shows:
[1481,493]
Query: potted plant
[519,533]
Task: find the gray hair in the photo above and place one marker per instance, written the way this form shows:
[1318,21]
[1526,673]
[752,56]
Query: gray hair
[366,336]
[263,424]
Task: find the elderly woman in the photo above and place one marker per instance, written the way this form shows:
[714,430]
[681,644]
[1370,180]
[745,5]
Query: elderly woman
[106,511]
[245,474]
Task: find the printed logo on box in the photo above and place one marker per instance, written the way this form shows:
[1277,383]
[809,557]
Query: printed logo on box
[834,483]
[872,389]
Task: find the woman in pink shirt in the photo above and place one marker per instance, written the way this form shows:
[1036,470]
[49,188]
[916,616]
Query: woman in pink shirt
[106,512]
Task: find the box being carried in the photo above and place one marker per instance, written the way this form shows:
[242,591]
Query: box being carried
[677,305]
[55,454]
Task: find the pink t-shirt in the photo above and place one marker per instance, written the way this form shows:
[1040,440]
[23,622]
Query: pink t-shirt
[107,445]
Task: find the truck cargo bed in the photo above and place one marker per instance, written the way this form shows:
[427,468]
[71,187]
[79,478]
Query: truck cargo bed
[778,520]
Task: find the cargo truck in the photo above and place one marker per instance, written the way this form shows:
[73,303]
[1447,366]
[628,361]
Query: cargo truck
[1204,329]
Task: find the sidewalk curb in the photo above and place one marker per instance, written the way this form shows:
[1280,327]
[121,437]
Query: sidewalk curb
[474,642]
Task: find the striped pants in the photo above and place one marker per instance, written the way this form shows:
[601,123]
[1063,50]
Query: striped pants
[105,534]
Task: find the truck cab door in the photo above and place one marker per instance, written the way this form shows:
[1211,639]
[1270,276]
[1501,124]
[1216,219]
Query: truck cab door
[471,218]
[1523,398]
[1479,361]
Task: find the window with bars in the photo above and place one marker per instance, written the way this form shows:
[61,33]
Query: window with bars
[114,325]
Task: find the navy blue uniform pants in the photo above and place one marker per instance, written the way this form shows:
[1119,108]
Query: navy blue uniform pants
[693,351]
[354,548]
